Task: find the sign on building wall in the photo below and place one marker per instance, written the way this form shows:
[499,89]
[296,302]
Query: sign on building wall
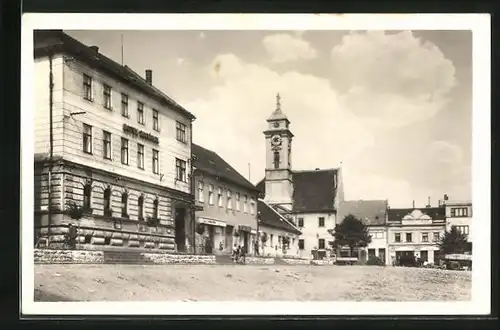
[143,135]
[211,222]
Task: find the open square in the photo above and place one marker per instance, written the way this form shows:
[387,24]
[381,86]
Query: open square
[247,283]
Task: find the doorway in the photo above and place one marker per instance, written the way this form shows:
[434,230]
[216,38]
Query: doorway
[245,241]
[229,238]
[424,256]
[180,228]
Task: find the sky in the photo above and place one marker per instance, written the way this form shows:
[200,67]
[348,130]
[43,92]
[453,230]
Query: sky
[393,108]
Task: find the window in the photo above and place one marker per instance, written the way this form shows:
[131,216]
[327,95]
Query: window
[124,105]
[124,151]
[156,161]
[252,206]
[245,201]
[271,239]
[436,237]
[279,241]
[87,138]
[124,205]
[321,244]
[371,252]
[181,132]
[321,222]
[200,191]
[397,237]
[229,200]
[459,212]
[140,113]
[106,144]
[107,96]
[219,196]
[107,203]
[140,156]
[155,208]
[408,237]
[301,244]
[237,201]
[87,196]
[301,222]
[425,237]
[211,194]
[140,205]
[87,87]
[180,167]
[276,159]
[463,229]
[156,122]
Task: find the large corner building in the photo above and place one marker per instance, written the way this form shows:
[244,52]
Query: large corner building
[113,146]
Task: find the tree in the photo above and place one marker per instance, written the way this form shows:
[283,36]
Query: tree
[453,241]
[351,232]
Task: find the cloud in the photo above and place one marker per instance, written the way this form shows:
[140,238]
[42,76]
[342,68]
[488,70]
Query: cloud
[244,96]
[391,80]
[285,47]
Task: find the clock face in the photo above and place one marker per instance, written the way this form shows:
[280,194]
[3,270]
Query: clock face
[276,140]
[276,124]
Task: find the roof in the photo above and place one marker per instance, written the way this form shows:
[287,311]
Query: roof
[208,161]
[370,212]
[271,218]
[436,213]
[313,191]
[56,41]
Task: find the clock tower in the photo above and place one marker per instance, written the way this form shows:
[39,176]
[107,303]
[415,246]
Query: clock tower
[279,180]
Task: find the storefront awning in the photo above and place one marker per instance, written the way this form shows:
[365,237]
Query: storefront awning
[212,222]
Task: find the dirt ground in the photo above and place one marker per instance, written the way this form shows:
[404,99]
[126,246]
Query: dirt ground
[248,283]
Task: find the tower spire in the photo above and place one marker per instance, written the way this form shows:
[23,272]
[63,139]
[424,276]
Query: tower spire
[278,102]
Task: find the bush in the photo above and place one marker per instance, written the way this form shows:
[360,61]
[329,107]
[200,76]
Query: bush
[374,261]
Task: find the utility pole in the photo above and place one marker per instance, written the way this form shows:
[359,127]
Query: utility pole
[51,148]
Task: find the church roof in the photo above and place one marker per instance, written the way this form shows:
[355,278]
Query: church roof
[396,215]
[271,218]
[313,191]
[370,212]
[210,162]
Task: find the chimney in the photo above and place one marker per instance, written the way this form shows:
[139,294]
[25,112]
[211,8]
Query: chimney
[95,48]
[413,203]
[428,201]
[149,77]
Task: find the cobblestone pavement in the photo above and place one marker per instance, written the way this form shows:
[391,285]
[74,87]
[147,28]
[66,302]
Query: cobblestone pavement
[249,283]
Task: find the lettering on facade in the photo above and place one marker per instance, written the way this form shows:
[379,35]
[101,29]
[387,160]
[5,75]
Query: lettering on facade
[244,228]
[143,135]
[211,222]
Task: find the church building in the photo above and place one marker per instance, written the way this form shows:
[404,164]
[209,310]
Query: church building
[307,200]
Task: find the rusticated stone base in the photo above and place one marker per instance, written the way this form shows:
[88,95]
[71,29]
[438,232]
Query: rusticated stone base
[46,256]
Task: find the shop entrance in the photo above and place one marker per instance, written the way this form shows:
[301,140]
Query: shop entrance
[228,246]
[180,228]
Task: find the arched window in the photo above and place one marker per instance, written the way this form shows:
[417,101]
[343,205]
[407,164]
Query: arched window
[140,203]
[124,205]
[107,202]
[276,159]
[155,209]
[87,196]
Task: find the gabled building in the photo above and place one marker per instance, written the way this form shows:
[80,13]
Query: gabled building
[373,214]
[415,232]
[278,236]
[112,145]
[226,203]
[307,199]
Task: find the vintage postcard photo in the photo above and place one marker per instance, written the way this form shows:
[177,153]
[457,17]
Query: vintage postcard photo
[255,164]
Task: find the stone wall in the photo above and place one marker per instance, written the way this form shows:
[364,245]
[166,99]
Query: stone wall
[168,259]
[45,256]
[259,261]
[296,261]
